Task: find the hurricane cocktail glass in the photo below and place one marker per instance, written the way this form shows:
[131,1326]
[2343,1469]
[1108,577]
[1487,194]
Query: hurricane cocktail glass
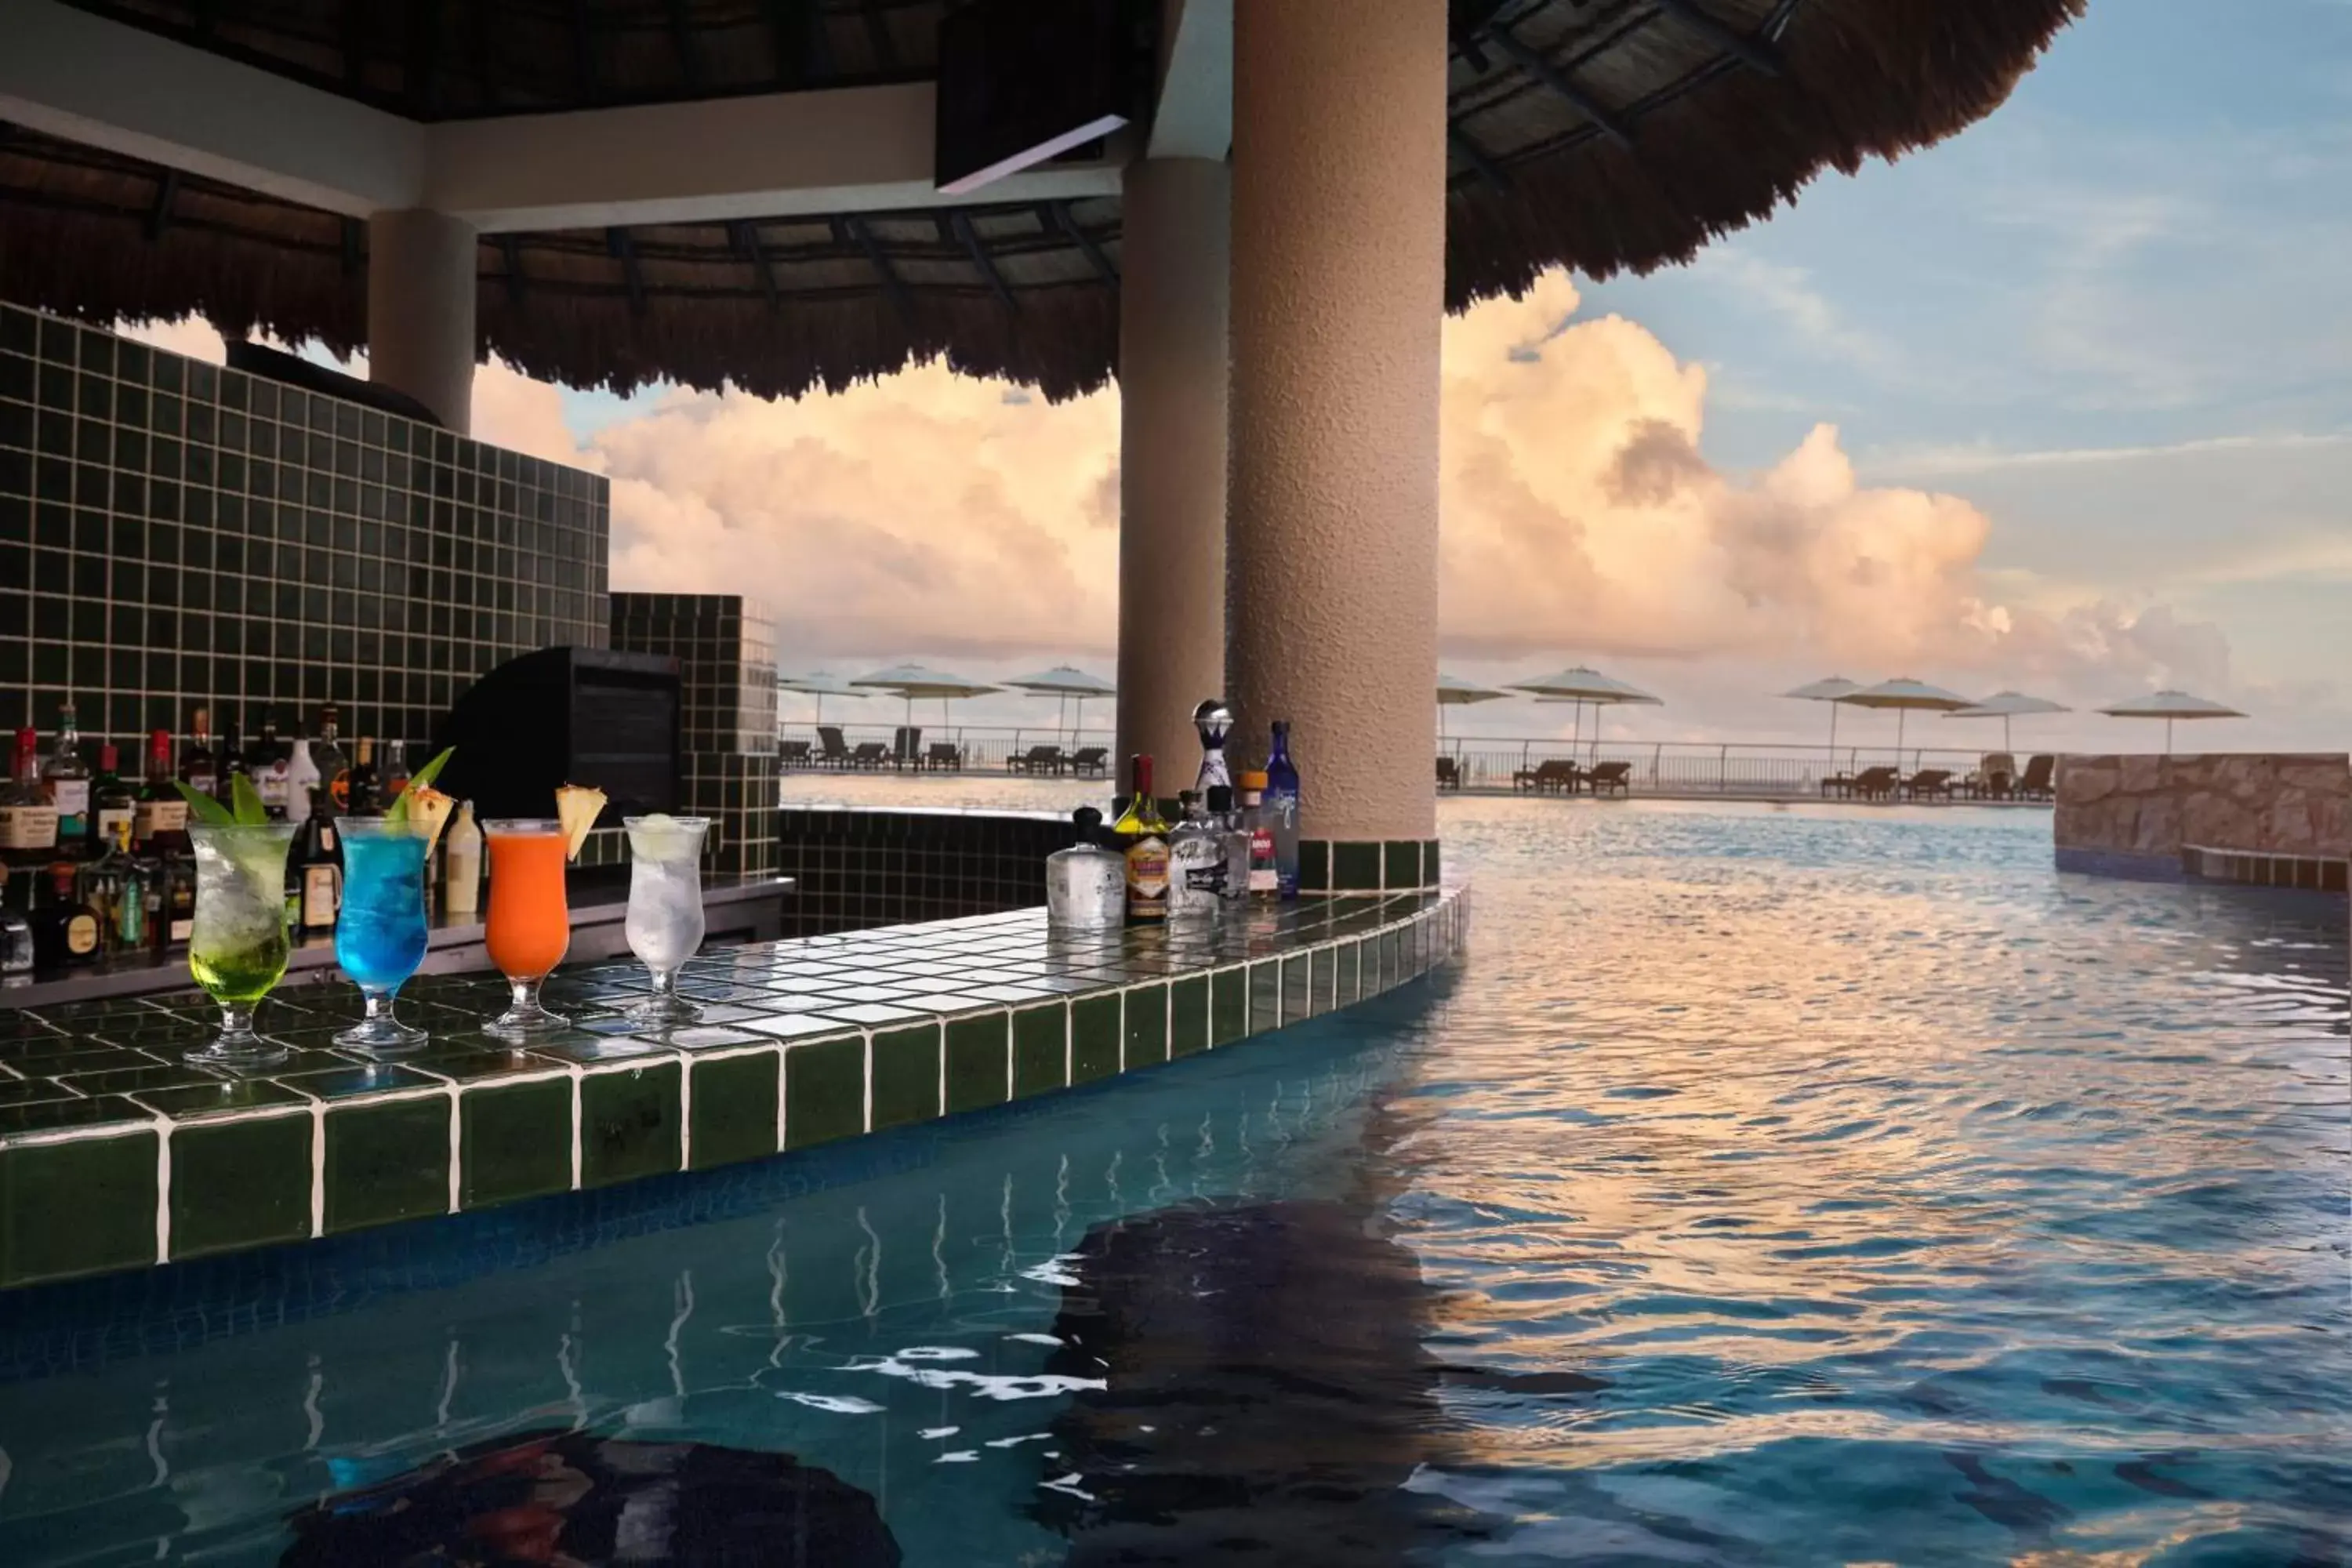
[236,949]
[528,927]
[664,921]
[380,933]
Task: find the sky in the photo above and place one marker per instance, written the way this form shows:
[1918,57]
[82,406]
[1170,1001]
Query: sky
[2062,405]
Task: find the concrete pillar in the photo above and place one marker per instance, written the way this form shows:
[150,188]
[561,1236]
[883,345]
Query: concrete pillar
[1172,464]
[1339,247]
[422,273]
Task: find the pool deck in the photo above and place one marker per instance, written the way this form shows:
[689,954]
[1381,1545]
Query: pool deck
[116,1153]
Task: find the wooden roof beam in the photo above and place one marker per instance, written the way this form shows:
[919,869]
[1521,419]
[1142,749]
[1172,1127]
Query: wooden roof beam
[618,243]
[961,222]
[1553,78]
[1756,56]
[512,248]
[159,216]
[1057,216]
[744,236]
[893,286]
[1480,163]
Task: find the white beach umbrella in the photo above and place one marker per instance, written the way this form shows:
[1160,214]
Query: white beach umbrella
[1071,686]
[913,681]
[1580,686]
[1906,696]
[820,685]
[1829,691]
[1452,691]
[2170,706]
[2005,706]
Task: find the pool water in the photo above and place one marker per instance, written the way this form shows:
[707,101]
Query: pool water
[1768,1186]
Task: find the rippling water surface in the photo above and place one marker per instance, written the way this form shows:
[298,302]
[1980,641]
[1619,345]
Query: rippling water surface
[1767,1187]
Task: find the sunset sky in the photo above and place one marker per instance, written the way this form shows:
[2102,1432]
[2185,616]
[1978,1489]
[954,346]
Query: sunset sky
[2060,405]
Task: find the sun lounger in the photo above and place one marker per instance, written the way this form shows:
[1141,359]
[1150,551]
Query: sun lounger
[1838,784]
[868,754]
[945,756]
[1876,784]
[1449,776]
[1555,777]
[1929,784]
[1091,761]
[1037,760]
[792,754]
[836,755]
[1616,778]
[906,746]
[2037,781]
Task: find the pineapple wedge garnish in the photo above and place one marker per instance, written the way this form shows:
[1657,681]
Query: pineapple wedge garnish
[428,812]
[576,805]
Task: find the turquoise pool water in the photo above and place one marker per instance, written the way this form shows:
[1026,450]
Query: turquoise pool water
[1767,1187]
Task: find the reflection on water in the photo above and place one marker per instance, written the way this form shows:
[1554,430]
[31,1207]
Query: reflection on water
[1769,1187]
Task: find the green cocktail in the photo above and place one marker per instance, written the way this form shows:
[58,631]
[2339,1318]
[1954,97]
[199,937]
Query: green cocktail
[238,949]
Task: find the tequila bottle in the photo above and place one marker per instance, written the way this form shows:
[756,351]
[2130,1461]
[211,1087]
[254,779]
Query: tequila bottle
[1282,810]
[1196,864]
[1213,723]
[1143,840]
[1085,884]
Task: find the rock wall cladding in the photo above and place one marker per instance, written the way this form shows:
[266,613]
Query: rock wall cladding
[2282,804]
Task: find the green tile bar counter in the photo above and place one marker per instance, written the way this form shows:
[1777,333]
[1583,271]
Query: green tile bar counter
[114,1154]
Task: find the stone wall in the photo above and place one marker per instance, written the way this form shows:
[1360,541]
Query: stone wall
[2133,816]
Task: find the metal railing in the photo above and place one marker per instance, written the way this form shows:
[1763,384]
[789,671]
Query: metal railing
[984,748]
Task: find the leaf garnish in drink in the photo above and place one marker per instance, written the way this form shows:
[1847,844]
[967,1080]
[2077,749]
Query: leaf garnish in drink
[421,779]
[209,812]
[249,811]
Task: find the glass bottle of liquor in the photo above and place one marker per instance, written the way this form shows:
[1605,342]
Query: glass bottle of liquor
[359,792]
[16,938]
[327,756]
[159,819]
[462,868]
[395,771]
[111,801]
[1085,884]
[266,761]
[66,932]
[65,778]
[111,887]
[1233,843]
[1142,839]
[303,784]
[1263,885]
[316,868]
[1196,864]
[172,911]
[1282,809]
[28,823]
[199,769]
[232,763]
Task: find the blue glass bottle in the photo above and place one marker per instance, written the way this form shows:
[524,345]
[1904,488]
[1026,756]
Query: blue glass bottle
[1281,808]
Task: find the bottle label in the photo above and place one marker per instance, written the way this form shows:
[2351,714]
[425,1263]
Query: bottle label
[81,935]
[1262,879]
[71,797]
[1196,876]
[1147,879]
[28,828]
[339,789]
[321,892]
[153,817]
[272,785]
[111,819]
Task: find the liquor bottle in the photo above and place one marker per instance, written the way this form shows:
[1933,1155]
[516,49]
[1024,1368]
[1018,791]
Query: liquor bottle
[1282,807]
[111,801]
[64,779]
[1263,885]
[110,888]
[199,770]
[1214,722]
[303,784]
[360,787]
[1233,843]
[316,869]
[395,771]
[28,823]
[1085,884]
[266,760]
[174,913]
[462,866]
[65,934]
[15,940]
[327,755]
[1142,840]
[1196,864]
[159,820]
[231,763]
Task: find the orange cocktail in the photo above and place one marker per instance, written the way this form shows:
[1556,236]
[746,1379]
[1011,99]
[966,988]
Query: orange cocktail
[530,925]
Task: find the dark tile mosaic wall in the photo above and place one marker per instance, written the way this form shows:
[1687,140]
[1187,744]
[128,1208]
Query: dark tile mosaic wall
[859,869]
[174,533]
[725,647]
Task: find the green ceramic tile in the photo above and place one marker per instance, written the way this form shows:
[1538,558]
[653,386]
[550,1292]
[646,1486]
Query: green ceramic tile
[514,1141]
[81,1207]
[1429,862]
[1293,989]
[734,1108]
[905,1076]
[629,1123]
[1313,865]
[1403,863]
[1350,981]
[1147,1028]
[824,1090]
[240,1184]
[1041,1047]
[1355,868]
[1229,1006]
[977,1051]
[1188,1016]
[1094,1038]
[387,1162]
[1266,996]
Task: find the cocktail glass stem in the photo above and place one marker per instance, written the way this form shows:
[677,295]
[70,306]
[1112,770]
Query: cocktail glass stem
[527,1015]
[666,1006]
[377,1029]
[237,1046]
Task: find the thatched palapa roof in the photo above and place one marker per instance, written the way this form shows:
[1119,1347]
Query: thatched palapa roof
[1604,135]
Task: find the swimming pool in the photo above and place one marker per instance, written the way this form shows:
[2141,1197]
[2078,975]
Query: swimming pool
[1767,1187]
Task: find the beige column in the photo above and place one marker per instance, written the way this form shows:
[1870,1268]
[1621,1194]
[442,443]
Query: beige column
[1171,457]
[422,274]
[1339,275]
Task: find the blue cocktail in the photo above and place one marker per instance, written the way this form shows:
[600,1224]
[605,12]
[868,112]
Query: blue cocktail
[380,933]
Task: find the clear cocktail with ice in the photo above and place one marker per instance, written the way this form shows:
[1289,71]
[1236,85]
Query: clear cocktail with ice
[238,949]
[665,923]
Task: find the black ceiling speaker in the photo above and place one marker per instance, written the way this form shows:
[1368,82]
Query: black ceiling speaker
[1022,81]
